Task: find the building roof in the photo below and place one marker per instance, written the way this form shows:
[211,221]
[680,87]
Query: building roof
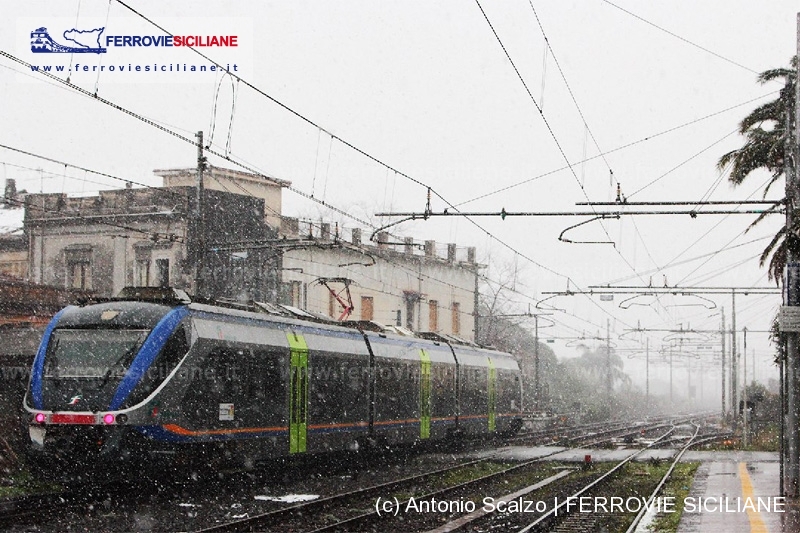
[224,173]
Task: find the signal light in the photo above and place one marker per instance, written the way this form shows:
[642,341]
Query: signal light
[122,418]
[40,418]
[108,419]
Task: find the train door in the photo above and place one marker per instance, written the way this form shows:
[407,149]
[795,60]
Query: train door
[298,392]
[424,395]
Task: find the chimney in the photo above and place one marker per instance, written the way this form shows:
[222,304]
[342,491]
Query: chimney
[451,252]
[383,238]
[11,190]
[408,247]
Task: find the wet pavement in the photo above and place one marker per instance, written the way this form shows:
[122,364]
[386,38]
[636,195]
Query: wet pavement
[732,491]
[737,492]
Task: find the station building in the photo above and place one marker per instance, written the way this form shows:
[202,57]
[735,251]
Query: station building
[145,237]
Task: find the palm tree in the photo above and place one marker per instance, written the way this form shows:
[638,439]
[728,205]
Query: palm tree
[769,141]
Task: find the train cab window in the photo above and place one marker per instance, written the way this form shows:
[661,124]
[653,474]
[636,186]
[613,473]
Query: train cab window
[174,350]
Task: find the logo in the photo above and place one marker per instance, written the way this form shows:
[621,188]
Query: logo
[86,41]
[75,399]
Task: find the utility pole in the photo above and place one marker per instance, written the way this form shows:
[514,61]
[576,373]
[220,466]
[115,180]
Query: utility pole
[647,373]
[476,301]
[734,366]
[537,384]
[722,336]
[609,381]
[537,367]
[790,284]
[199,225]
[744,389]
[671,404]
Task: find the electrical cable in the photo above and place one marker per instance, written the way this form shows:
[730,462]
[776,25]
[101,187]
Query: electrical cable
[687,41]
[623,147]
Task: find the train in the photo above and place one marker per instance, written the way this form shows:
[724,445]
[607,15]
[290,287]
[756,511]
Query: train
[153,377]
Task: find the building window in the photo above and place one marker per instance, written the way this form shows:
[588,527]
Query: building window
[433,315]
[162,272]
[80,275]
[79,267]
[291,293]
[456,318]
[367,309]
[412,299]
[143,273]
[297,294]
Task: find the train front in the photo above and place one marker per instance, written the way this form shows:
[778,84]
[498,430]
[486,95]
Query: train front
[93,379]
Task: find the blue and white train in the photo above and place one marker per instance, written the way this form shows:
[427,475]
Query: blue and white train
[154,376]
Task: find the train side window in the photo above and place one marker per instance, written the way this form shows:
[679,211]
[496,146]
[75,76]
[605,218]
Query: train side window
[266,386]
[212,384]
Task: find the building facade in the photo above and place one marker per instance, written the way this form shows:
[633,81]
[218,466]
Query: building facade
[144,237]
[244,249]
[405,284]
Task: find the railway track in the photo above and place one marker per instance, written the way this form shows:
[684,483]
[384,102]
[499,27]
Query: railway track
[564,518]
[352,510]
[361,504]
[363,510]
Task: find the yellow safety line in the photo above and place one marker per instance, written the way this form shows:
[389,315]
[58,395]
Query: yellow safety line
[756,524]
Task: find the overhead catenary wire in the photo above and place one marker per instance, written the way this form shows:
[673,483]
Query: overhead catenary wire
[371,157]
[248,167]
[498,190]
[685,40]
[153,123]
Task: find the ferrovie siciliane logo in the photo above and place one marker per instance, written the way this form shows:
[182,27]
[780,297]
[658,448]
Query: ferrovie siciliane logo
[90,41]
[83,41]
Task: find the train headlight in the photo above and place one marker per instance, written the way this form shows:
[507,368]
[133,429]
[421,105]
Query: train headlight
[122,418]
[40,418]
[108,419]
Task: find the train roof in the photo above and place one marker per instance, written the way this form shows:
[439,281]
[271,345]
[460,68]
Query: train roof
[287,314]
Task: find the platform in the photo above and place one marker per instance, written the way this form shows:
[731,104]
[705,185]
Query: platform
[739,492]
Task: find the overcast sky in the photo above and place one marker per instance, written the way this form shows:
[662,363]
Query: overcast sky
[427,89]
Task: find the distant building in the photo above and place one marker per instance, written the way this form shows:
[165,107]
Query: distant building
[14,256]
[143,237]
[13,242]
[233,181]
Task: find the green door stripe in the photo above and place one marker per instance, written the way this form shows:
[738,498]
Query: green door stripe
[298,392]
[424,395]
[492,390]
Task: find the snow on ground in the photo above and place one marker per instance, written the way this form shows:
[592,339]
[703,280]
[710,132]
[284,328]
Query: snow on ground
[289,498]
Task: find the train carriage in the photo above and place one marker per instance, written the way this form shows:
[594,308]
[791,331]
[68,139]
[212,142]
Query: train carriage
[181,380]
[415,393]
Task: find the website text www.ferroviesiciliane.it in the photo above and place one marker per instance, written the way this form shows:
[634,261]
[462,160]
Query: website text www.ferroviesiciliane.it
[139,67]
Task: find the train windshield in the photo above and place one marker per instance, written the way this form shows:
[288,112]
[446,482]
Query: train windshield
[92,353]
